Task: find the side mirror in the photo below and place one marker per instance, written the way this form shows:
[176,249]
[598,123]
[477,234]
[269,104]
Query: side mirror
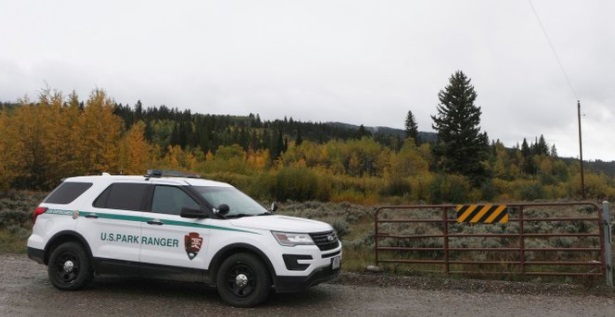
[274,206]
[192,213]
[222,210]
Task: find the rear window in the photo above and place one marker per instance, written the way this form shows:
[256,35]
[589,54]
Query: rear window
[125,196]
[67,192]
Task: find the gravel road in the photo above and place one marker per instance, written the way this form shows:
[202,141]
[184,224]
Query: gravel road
[25,291]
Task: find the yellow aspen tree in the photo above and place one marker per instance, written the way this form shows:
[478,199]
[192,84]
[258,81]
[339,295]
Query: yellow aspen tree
[323,156]
[11,150]
[71,120]
[100,133]
[354,165]
[26,128]
[409,161]
[258,159]
[172,159]
[179,159]
[57,122]
[134,151]
[500,167]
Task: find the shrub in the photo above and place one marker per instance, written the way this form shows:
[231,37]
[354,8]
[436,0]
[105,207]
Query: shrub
[296,183]
[396,186]
[532,192]
[341,227]
[12,218]
[19,231]
[449,188]
[263,187]
[489,191]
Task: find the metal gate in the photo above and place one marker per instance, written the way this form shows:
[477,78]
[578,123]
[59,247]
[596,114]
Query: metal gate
[543,239]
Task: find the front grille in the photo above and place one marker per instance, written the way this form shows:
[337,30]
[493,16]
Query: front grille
[325,240]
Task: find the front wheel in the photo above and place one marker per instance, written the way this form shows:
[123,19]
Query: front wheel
[243,280]
[69,267]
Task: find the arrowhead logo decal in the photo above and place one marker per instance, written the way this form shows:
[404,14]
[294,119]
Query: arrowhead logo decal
[193,243]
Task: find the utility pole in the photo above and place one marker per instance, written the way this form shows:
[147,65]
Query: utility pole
[581,150]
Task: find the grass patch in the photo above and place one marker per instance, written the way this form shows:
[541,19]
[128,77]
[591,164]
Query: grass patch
[13,239]
[16,209]
[356,260]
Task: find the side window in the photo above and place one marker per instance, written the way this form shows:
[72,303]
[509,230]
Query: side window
[67,192]
[170,200]
[123,196]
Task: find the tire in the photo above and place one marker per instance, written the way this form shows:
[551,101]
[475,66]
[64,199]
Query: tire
[243,280]
[69,267]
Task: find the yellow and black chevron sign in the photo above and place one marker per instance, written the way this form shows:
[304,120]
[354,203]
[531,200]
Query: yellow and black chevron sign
[482,213]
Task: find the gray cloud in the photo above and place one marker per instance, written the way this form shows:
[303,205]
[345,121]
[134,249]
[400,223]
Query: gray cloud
[361,62]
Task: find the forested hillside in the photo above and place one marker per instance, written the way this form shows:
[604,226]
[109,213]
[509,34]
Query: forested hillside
[54,137]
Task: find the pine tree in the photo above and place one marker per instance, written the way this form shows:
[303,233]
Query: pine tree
[362,131]
[299,138]
[525,149]
[276,147]
[412,130]
[461,147]
[541,147]
[553,151]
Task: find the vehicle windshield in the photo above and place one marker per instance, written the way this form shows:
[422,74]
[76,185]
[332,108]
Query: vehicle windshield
[239,203]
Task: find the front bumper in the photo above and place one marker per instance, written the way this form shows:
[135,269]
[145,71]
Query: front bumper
[289,284]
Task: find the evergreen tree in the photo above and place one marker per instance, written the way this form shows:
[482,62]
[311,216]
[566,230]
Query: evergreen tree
[553,151]
[276,147]
[541,147]
[299,138]
[528,166]
[461,147]
[412,130]
[525,149]
[363,132]
[139,111]
[175,138]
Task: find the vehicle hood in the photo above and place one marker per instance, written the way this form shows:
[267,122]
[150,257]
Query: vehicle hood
[282,223]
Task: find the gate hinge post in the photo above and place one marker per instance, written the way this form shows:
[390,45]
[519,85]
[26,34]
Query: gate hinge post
[608,257]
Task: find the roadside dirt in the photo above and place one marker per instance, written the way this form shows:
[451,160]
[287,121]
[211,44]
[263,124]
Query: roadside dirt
[25,291]
[579,288]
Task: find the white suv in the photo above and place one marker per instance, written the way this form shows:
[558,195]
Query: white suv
[178,228]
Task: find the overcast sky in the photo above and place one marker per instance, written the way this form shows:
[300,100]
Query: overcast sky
[355,61]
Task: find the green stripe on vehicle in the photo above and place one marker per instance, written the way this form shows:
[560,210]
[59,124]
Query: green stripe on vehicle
[168,222]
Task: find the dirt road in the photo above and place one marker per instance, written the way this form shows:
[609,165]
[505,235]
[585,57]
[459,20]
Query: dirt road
[25,291]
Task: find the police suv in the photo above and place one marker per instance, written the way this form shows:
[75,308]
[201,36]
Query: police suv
[179,228]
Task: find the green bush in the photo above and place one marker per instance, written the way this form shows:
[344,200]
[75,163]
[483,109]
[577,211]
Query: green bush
[19,231]
[13,217]
[396,186]
[341,227]
[532,192]
[489,191]
[296,183]
[449,189]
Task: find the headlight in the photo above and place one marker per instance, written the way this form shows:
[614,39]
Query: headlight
[290,239]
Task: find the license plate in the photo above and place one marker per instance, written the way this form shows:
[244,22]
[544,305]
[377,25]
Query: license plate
[335,262]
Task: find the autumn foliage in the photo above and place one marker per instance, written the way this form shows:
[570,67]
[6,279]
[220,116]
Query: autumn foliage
[56,137]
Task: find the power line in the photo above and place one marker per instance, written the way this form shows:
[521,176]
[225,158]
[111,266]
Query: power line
[561,66]
[559,62]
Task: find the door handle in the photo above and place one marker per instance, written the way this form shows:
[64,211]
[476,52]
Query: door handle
[92,216]
[155,222]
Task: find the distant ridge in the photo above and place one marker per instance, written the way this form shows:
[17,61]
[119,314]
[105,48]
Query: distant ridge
[429,137]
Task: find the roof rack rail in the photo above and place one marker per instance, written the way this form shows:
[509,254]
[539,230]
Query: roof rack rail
[169,173]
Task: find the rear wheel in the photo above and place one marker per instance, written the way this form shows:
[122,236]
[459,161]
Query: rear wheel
[243,280]
[69,267]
